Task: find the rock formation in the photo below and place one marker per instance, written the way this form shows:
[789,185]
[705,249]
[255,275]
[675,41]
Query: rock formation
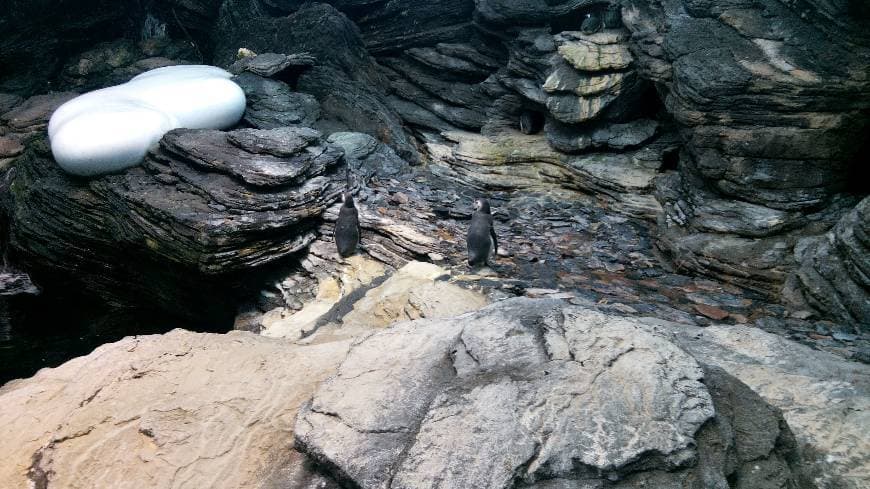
[204,204]
[769,106]
[166,411]
[525,393]
[834,269]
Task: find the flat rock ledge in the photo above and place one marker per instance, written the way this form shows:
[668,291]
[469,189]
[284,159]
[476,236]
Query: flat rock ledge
[526,393]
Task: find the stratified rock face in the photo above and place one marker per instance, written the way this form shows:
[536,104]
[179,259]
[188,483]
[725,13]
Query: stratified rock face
[834,269]
[175,410]
[345,78]
[114,63]
[204,204]
[770,96]
[526,394]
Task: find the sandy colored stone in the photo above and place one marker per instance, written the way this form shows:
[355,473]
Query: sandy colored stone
[180,410]
[413,292]
[358,272]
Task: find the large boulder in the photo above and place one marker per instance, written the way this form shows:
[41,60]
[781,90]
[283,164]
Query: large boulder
[525,393]
[175,410]
[823,397]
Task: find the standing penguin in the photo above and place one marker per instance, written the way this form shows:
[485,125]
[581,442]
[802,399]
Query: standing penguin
[481,235]
[347,227]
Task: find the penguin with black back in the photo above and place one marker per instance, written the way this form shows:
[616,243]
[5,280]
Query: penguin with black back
[482,240]
[613,17]
[347,226]
[591,24]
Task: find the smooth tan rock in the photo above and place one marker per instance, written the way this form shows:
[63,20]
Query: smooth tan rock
[358,272]
[413,292]
[180,410]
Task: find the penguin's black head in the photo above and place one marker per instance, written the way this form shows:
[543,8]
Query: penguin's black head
[482,205]
[347,198]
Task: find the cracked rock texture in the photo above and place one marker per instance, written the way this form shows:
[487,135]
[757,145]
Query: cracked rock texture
[171,411]
[525,393]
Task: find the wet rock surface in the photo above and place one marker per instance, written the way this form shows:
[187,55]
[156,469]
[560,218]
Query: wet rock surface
[556,244]
[835,268]
[548,394]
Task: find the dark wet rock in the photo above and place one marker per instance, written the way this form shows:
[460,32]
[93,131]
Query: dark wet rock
[272,103]
[203,207]
[397,25]
[8,101]
[748,243]
[32,115]
[833,274]
[573,139]
[541,389]
[770,105]
[345,78]
[16,283]
[37,34]
[367,156]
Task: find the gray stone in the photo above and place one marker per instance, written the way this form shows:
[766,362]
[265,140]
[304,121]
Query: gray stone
[525,391]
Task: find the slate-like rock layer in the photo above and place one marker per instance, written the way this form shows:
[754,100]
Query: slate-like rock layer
[204,204]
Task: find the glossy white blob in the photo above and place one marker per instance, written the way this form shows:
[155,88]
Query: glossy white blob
[111,129]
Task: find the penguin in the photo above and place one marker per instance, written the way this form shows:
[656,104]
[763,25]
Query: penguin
[613,17]
[481,235]
[347,227]
[591,24]
[531,122]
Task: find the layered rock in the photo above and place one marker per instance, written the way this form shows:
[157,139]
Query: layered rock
[833,274]
[512,160]
[527,394]
[116,62]
[204,204]
[769,122]
[345,78]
